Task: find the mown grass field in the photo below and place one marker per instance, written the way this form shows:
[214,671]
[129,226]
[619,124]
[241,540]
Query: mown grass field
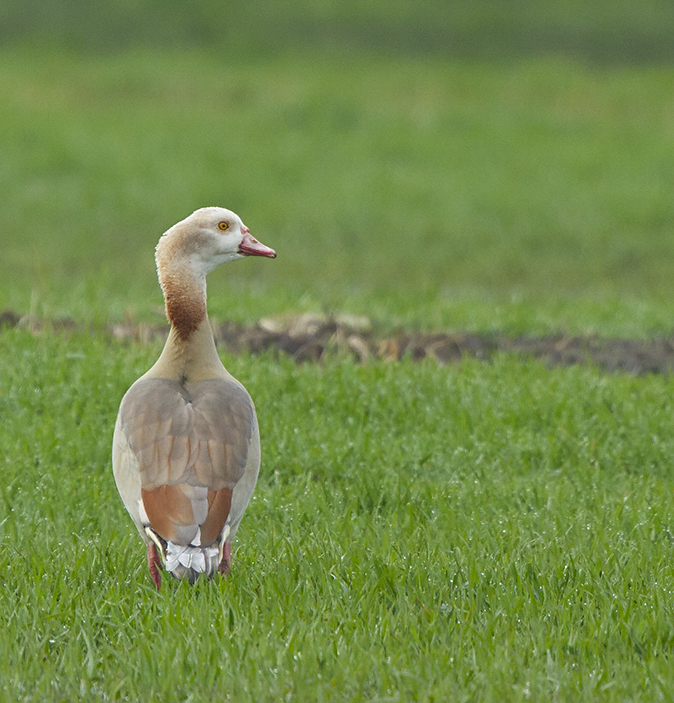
[478,532]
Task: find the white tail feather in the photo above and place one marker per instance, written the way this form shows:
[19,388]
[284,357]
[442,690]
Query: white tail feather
[189,561]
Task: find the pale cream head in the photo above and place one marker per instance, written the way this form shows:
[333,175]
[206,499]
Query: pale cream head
[206,239]
[190,250]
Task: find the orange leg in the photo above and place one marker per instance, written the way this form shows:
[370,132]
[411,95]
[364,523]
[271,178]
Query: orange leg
[226,561]
[154,564]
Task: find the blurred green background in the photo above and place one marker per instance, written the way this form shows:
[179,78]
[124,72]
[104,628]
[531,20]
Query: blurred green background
[623,31]
[487,164]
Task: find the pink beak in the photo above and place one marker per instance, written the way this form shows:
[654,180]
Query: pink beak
[251,247]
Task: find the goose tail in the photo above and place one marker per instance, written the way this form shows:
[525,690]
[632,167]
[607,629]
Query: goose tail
[189,562]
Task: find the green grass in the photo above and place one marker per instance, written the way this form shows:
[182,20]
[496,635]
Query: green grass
[494,532]
[531,195]
[483,532]
[625,31]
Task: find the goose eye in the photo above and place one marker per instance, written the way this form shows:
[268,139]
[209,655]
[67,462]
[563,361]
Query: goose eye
[223,226]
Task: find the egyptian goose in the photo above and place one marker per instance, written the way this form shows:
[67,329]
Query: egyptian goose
[186,446]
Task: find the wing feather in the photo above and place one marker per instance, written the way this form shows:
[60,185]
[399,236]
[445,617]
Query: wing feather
[192,445]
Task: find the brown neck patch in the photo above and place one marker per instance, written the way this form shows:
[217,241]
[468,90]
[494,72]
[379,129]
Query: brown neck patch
[184,291]
[185,307]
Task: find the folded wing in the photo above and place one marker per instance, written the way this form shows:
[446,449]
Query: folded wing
[180,451]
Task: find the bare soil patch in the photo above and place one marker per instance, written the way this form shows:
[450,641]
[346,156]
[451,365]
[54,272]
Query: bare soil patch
[313,337]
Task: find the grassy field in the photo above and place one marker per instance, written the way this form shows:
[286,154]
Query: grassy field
[485,532]
[625,31]
[526,196]
[478,532]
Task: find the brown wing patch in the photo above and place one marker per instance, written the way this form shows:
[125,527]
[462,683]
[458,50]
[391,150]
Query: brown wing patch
[219,503]
[167,508]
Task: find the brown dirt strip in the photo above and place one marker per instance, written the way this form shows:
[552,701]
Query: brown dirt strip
[313,337]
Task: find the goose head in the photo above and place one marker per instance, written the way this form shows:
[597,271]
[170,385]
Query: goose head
[209,237]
